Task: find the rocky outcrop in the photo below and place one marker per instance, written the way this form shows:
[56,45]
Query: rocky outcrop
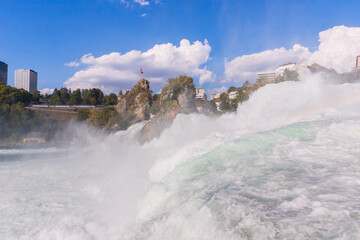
[133,107]
[178,96]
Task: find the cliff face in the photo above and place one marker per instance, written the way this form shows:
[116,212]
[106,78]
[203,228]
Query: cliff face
[133,107]
[178,96]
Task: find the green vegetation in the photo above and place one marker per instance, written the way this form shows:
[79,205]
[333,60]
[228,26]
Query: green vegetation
[105,118]
[110,99]
[178,84]
[64,96]
[16,121]
[83,115]
[288,76]
[225,103]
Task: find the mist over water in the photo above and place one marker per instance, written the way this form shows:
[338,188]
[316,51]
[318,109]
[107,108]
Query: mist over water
[285,166]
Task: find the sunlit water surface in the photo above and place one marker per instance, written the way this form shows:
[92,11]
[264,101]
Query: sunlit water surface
[287,166]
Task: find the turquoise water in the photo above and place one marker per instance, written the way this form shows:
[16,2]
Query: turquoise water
[242,176]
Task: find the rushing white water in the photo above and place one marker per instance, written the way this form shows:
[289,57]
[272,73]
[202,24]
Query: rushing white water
[286,166]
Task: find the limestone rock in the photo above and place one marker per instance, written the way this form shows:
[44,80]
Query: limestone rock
[133,107]
[178,96]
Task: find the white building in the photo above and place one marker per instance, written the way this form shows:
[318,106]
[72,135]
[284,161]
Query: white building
[215,96]
[217,103]
[267,76]
[26,79]
[200,94]
[234,93]
[279,71]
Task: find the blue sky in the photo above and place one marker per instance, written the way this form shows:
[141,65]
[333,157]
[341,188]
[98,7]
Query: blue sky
[44,35]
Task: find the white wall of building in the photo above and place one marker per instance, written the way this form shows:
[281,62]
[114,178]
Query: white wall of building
[26,79]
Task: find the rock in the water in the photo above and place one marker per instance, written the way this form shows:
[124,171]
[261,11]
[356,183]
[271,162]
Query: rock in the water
[178,96]
[133,107]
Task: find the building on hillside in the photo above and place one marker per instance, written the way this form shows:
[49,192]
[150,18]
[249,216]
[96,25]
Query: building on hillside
[267,76]
[233,93]
[215,96]
[357,64]
[279,71]
[26,79]
[3,72]
[200,94]
[217,102]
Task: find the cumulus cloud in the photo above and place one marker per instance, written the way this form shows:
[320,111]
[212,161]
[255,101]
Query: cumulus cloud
[338,48]
[246,67]
[72,64]
[115,71]
[142,2]
[217,90]
[143,15]
[47,91]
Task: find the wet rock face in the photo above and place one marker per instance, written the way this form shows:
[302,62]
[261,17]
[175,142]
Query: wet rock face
[178,96]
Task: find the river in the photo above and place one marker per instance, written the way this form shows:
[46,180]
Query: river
[285,166]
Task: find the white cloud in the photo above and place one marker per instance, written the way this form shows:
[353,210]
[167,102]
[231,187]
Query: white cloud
[72,64]
[217,90]
[338,48]
[245,67]
[47,91]
[115,71]
[143,15]
[142,2]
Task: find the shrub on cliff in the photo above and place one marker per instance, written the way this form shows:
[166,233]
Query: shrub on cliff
[83,115]
[176,85]
[105,118]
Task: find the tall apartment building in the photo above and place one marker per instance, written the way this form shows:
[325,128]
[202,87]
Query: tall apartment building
[26,79]
[3,72]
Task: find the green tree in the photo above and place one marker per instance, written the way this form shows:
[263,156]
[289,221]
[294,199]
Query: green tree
[104,118]
[110,99]
[64,95]
[75,97]
[290,75]
[225,104]
[86,96]
[55,100]
[36,96]
[241,96]
[232,88]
